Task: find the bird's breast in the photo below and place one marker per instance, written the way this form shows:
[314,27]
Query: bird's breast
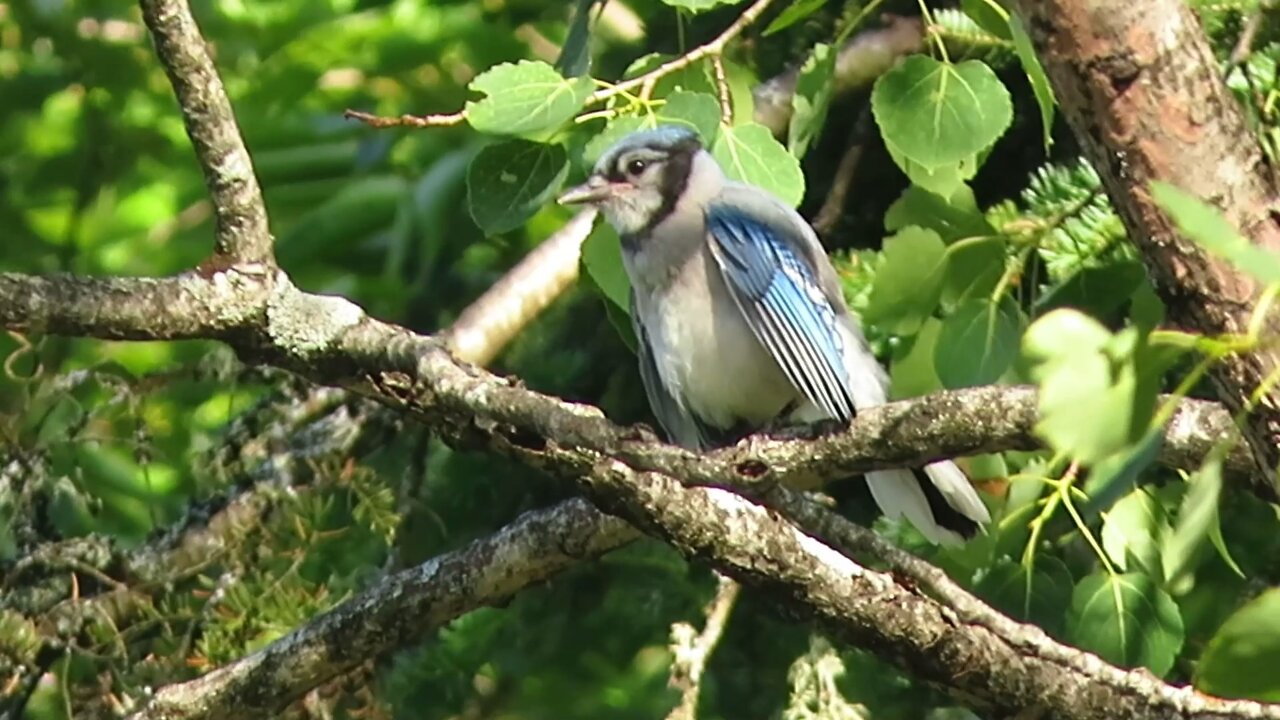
[707,355]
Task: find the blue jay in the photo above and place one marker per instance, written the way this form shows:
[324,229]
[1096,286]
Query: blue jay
[740,319]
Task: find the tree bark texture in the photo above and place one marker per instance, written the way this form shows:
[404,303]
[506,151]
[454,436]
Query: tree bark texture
[1139,85]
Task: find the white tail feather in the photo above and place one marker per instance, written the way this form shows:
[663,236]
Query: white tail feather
[898,493]
[957,490]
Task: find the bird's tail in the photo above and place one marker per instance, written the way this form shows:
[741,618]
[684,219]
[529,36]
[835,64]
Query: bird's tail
[937,499]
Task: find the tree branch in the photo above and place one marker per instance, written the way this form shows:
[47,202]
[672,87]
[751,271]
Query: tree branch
[242,234]
[401,609]
[331,341]
[497,316]
[995,664]
[1142,90]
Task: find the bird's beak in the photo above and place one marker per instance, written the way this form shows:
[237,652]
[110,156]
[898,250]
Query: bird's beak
[595,190]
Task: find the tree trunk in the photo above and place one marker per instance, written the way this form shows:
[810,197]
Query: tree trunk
[1142,90]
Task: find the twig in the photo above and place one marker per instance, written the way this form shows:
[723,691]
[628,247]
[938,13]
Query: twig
[644,82]
[692,650]
[714,47]
[833,206]
[406,120]
[242,234]
[722,91]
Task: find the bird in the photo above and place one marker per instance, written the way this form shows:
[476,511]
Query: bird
[739,317]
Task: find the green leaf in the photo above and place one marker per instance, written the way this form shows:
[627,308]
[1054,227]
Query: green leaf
[695,110]
[1241,659]
[974,268]
[945,180]
[1117,474]
[748,153]
[525,98]
[792,14]
[1133,529]
[911,374]
[1073,357]
[575,54]
[937,114]
[811,99]
[1097,291]
[1062,333]
[699,5]
[908,282]
[699,111]
[602,259]
[509,181]
[1040,86]
[978,342]
[1197,523]
[1127,620]
[1205,225]
[603,269]
[988,15]
[1040,596]
[955,217]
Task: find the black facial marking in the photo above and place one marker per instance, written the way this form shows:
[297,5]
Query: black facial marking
[675,178]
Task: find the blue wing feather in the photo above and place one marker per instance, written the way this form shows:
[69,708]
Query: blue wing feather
[778,294]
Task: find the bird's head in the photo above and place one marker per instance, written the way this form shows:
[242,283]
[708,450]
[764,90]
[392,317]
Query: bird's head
[637,182]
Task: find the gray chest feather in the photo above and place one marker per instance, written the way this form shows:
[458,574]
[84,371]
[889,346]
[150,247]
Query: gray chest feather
[705,353]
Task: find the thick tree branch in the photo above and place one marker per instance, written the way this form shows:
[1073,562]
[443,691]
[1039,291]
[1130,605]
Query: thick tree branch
[1143,93]
[397,611]
[995,664]
[242,234]
[331,341]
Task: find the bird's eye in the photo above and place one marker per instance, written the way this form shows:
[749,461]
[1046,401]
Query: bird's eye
[635,167]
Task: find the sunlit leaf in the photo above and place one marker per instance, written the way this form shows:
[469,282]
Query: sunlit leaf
[974,268]
[945,180]
[602,258]
[937,114]
[988,15]
[908,282]
[953,217]
[1040,86]
[699,5]
[1197,523]
[748,153]
[912,373]
[699,111]
[524,98]
[792,14]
